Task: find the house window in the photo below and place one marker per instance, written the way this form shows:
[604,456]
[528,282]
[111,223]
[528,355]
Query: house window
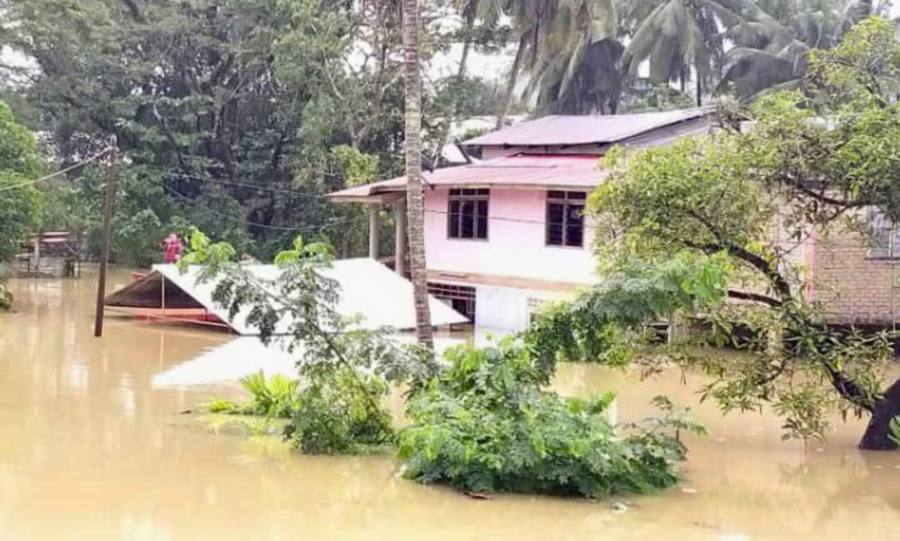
[460,298]
[884,237]
[565,218]
[467,215]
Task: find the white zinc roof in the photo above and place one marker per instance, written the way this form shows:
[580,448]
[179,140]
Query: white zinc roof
[368,290]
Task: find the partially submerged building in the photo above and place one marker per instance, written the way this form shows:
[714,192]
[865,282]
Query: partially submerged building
[507,232]
[367,289]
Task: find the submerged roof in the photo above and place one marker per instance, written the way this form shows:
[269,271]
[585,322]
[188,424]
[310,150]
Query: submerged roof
[381,297]
[548,171]
[561,130]
[247,355]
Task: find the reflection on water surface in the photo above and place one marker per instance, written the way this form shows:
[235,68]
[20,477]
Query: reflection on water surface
[92,450]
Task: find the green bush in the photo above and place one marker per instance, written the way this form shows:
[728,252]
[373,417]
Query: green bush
[6,298]
[486,425]
[274,397]
[333,412]
[340,412]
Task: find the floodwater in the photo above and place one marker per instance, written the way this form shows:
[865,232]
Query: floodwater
[90,449]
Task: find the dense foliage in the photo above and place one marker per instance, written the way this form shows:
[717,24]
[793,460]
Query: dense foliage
[325,415]
[486,424]
[343,368]
[609,322]
[21,202]
[792,173]
[226,113]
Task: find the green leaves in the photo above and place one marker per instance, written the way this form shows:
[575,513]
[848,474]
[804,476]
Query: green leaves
[486,424]
[21,202]
[895,430]
[609,322]
[319,251]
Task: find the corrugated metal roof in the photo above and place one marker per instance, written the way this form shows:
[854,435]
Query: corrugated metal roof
[559,130]
[573,171]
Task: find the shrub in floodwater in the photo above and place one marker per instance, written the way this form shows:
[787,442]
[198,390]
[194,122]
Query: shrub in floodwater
[487,425]
[340,412]
[273,397]
[334,412]
[6,297]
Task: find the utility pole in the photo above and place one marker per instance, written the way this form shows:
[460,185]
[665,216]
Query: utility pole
[108,195]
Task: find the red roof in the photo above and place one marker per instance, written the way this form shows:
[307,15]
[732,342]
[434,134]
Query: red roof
[559,130]
[547,171]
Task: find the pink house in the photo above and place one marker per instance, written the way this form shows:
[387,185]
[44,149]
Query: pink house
[507,232]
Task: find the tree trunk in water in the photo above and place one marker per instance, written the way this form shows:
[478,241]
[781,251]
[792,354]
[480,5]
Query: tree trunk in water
[510,85]
[414,196]
[877,435]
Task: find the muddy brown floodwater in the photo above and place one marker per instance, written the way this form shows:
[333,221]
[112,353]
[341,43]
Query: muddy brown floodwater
[90,450]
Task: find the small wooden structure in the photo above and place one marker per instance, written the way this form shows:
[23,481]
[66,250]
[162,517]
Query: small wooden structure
[51,254]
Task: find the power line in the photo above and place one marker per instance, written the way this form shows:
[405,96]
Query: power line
[57,173]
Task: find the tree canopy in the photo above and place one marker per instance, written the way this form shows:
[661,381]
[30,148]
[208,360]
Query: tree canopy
[20,165]
[792,164]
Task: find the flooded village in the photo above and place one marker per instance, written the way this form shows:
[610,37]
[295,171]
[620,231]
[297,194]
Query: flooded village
[95,444]
[456,271]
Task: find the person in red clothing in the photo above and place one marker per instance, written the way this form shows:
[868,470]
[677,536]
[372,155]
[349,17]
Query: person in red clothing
[173,248]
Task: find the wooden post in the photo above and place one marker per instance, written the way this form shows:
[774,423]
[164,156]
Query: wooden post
[374,227]
[108,195]
[400,237]
[36,254]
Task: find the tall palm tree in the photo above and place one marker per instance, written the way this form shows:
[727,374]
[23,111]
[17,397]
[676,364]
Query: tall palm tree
[413,147]
[567,48]
[676,37]
[575,67]
[772,54]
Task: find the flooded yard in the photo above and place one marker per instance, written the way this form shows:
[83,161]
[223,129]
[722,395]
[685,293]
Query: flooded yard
[92,450]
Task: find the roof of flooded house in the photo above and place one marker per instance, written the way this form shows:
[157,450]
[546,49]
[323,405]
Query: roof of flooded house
[567,130]
[367,289]
[522,170]
[547,170]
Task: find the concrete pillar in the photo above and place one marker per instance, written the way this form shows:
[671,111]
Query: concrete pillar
[400,236]
[374,227]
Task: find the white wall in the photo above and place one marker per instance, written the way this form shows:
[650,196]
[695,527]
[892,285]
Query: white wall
[515,245]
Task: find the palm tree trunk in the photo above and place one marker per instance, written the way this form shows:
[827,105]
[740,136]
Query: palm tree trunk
[511,84]
[414,196]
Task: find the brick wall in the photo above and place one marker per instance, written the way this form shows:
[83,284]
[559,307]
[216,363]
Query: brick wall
[850,286]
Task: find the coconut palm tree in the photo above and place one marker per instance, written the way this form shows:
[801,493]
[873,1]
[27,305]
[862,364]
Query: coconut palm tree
[568,49]
[772,54]
[413,148]
[575,68]
[678,36]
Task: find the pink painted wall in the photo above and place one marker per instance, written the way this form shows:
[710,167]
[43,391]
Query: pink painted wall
[513,248]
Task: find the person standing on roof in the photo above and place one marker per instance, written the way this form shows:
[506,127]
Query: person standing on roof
[173,247]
